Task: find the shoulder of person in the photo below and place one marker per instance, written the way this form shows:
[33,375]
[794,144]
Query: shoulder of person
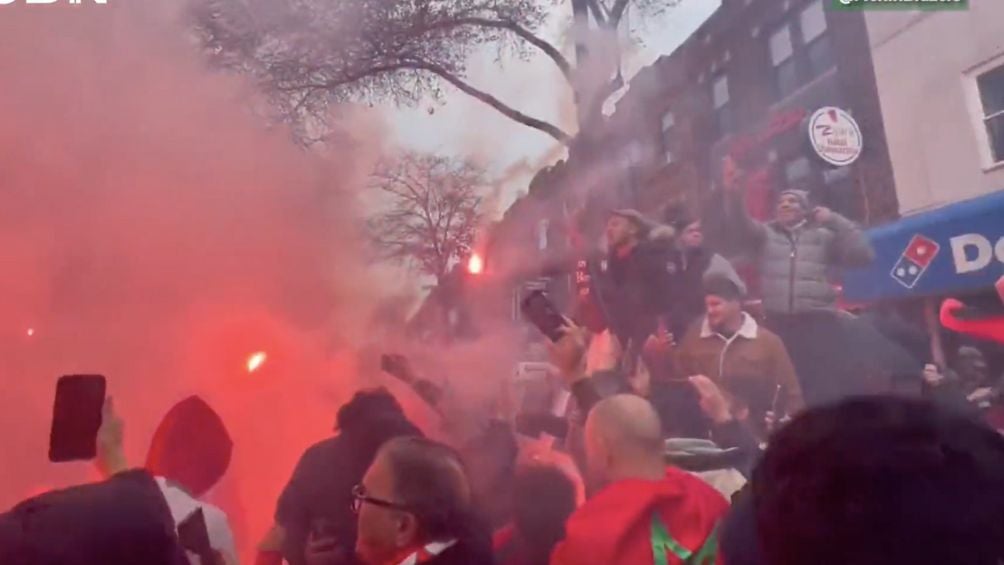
[768,337]
[325,447]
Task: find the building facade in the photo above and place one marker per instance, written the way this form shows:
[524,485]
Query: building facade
[940,79]
[745,85]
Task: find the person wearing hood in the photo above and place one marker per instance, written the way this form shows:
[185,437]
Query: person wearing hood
[314,523]
[644,512]
[797,252]
[189,453]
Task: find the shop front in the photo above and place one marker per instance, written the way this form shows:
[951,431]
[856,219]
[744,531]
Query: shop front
[956,250]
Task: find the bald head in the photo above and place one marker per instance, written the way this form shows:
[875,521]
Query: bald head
[623,436]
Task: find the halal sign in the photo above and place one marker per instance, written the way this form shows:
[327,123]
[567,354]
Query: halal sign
[835,136]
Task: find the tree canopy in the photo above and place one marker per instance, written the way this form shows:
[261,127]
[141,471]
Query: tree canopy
[308,54]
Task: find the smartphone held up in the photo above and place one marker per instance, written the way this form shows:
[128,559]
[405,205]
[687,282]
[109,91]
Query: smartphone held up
[76,418]
[542,313]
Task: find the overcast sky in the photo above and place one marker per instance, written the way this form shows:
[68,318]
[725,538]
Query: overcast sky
[464,126]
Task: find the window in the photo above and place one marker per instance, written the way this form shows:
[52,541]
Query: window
[720,91]
[991,86]
[720,102]
[542,232]
[813,20]
[668,122]
[820,55]
[819,52]
[782,56]
[800,49]
[780,46]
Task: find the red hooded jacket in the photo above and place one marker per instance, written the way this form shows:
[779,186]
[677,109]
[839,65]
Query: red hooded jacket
[674,521]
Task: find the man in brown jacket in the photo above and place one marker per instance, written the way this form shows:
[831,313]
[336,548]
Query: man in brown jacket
[744,358]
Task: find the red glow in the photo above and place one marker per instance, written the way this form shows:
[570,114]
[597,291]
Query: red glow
[475,265]
[256,360]
[31,332]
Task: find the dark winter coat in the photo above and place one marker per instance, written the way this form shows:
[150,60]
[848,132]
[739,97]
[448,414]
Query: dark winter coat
[687,270]
[122,521]
[466,552]
[320,490]
[634,290]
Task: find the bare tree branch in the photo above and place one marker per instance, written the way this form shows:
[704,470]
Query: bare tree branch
[551,51]
[617,12]
[431,210]
[598,11]
[507,111]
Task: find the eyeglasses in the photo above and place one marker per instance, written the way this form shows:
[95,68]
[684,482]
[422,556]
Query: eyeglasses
[359,496]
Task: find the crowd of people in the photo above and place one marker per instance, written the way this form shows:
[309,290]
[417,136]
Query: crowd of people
[703,431]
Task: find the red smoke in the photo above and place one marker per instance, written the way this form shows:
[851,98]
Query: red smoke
[153,231]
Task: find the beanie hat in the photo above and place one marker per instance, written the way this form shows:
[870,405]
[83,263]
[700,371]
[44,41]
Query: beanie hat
[801,195]
[723,287]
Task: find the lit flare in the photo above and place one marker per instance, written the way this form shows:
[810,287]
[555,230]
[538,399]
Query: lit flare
[256,360]
[475,265]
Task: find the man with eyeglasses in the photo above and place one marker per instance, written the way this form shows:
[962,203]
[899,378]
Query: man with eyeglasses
[414,507]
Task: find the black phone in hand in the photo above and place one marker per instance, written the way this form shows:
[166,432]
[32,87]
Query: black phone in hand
[541,312]
[76,418]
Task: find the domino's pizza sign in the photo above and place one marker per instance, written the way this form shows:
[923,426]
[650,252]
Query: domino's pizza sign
[952,250]
[915,260]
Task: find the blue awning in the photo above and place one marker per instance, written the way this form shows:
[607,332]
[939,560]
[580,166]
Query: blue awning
[954,249]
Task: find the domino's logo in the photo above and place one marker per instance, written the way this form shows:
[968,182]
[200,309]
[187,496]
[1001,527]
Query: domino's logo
[915,260]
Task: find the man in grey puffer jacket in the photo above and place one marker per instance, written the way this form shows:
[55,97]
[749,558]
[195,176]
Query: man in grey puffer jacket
[797,252]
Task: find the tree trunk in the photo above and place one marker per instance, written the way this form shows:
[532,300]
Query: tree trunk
[580,19]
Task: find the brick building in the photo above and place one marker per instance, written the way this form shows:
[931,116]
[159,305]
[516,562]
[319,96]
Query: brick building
[744,85]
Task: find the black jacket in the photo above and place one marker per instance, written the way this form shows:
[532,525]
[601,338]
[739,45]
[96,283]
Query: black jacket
[635,290]
[686,287]
[319,494]
[474,550]
[122,521]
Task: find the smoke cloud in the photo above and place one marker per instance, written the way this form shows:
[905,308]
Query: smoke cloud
[152,230]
